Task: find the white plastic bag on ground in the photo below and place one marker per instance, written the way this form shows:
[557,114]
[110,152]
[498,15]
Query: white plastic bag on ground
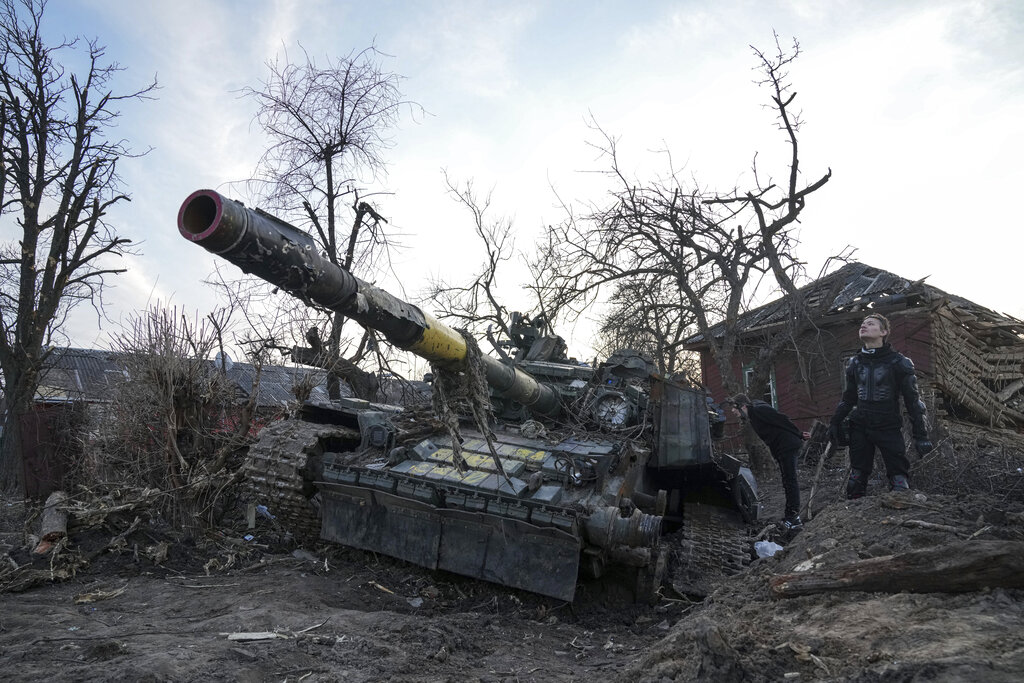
[766,548]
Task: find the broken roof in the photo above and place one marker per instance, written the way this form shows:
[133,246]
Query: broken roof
[858,287]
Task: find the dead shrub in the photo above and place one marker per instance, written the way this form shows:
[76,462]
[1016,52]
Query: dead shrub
[971,459]
[175,423]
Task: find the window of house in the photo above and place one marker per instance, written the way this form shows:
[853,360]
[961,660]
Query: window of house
[770,396]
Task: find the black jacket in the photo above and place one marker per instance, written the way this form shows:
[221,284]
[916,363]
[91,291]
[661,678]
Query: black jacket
[774,428]
[875,383]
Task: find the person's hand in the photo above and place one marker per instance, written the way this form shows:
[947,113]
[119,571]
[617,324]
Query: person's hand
[838,436]
[923,446]
[835,436]
[807,436]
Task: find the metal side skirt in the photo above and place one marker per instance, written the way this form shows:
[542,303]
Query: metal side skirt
[505,551]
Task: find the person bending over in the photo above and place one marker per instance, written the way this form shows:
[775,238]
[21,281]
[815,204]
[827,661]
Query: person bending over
[783,439]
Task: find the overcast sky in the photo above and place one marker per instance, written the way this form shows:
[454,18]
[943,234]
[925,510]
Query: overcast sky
[917,107]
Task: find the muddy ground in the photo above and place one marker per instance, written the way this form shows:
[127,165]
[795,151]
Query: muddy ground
[152,607]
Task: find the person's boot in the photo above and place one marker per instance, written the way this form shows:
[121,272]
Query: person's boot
[899,483]
[857,485]
[792,522]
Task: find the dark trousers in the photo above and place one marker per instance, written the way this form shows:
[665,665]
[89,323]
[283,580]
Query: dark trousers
[864,439]
[786,458]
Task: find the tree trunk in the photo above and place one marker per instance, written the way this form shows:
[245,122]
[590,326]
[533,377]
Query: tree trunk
[12,468]
[952,568]
[333,355]
[55,521]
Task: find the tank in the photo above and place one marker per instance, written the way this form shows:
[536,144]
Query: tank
[581,472]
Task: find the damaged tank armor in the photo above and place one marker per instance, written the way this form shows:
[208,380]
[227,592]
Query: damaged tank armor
[508,502]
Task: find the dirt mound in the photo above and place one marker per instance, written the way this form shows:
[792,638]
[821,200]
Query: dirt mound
[742,632]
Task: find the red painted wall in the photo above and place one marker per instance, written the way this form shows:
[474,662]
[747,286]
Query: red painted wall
[824,354]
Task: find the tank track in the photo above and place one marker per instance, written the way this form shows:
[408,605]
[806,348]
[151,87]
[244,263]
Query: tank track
[280,470]
[712,545]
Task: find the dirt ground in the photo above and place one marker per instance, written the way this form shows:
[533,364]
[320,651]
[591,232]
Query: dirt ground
[152,607]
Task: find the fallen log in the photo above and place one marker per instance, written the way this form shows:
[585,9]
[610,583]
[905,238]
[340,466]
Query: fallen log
[952,568]
[55,521]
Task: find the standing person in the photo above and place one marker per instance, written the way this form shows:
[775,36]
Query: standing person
[876,379]
[783,439]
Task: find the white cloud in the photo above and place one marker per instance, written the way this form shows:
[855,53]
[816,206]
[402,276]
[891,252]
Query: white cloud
[914,105]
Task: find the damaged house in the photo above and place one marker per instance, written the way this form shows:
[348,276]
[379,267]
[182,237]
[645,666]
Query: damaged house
[969,359]
[77,382]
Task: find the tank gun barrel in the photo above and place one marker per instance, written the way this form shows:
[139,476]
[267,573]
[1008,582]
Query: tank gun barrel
[286,257]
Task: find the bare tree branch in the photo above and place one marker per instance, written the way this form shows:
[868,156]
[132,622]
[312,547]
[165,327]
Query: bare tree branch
[474,305]
[58,178]
[329,130]
[681,259]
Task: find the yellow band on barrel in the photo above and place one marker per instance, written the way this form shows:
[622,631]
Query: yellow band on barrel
[439,342]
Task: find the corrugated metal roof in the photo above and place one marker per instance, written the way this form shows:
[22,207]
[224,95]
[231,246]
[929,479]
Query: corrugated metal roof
[79,374]
[276,382]
[86,375]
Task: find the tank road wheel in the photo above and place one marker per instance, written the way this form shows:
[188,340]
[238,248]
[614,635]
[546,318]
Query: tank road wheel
[280,470]
[745,500]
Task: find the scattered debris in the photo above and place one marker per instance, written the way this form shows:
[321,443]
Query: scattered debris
[96,596]
[305,556]
[258,635]
[272,635]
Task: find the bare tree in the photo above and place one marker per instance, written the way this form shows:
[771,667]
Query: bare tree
[58,179]
[653,231]
[646,314]
[709,251]
[474,305]
[776,209]
[329,129]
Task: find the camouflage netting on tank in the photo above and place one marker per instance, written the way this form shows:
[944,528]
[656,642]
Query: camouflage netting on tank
[464,388]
